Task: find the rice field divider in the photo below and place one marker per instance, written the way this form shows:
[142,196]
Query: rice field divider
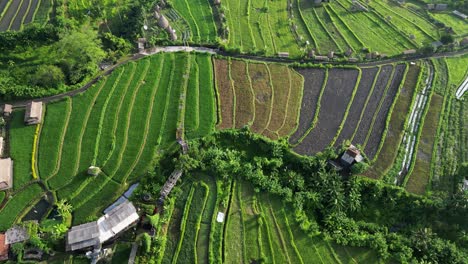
[62,138]
[272,96]
[148,120]
[419,129]
[242,221]
[117,113]
[199,218]
[363,111]
[251,91]
[348,28]
[183,223]
[16,14]
[270,31]
[324,28]
[183,95]
[168,97]
[405,18]
[2,14]
[26,14]
[35,146]
[249,4]
[231,81]
[287,103]
[280,234]
[162,231]
[317,110]
[82,131]
[197,95]
[300,100]
[102,116]
[268,231]
[355,89]
[214,227]
[128,118]
[316,45]
[382,99]
[389,115]
[291,235]
[39,2]
[217,96]
[333,20]
[197,30]
[227,219]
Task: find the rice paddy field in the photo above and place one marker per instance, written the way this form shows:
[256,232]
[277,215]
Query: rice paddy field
[14,14]
[256,227]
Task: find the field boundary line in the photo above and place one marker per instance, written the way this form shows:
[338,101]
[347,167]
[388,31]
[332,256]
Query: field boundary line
[234,99]
[326,30]
[39,2]
[247,63]
[242,217]
[2,14]
[291,235]
[333,252]
[287,103]
[270,31]
[199,219]
[249,3]
[102,115]
[26,14]
[300,102]
[197,91]
[333,20]
[278,231]
[167,99]
[317,110]
[389,114]
[129,117]
[35,148]
[363,110]
[183,223]
[219,118]
[306,26]
[355,89]
[272,97]
[117,113]
[16,14]
[155,88]
[198,36]
[82,131]
[345,24]
[377,110]
[62,134]
[268,232]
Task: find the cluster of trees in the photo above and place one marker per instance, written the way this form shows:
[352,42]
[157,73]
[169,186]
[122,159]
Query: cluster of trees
[350,211]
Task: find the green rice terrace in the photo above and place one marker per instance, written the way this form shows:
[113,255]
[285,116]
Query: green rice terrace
[222,131]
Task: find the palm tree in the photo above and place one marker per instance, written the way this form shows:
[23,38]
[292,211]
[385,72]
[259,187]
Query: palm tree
[63,208]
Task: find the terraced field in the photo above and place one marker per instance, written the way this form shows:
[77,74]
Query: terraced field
[264,96]
[348,104]
[134,112]
[14,14]
[256,227]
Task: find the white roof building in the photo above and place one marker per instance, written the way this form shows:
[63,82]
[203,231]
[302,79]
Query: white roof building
[33,113]
[105,228]
[6,174]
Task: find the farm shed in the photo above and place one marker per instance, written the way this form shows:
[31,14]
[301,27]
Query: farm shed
[170,183]
[283,54]
[6,174]
[3,248]
[459,14]
[16,234]
[106,227]
[6,110]
[33,113]
[410,51]
[351,155]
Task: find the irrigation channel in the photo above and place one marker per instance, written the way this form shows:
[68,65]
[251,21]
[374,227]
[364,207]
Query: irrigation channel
[417,112]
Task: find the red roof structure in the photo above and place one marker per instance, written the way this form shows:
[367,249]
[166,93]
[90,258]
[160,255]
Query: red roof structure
[3,248]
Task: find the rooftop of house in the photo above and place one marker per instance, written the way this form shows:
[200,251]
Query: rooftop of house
[6,173]
[3,248]
[16,234]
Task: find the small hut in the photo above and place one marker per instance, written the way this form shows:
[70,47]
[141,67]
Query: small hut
[350,156]
[6,174]
[33,113]
[6,110]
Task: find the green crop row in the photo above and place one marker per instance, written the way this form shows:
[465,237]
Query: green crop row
[207,104]
[192,106]
[317,110]
[183,223]
[376,113]
[347,28]
[216,231]
[102,116]
[16,205]
[107,146]
[55,126]
[389,115]
[75,130]
[138,130]
[21,145]
[326,29]
[356,86]
[183,97]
